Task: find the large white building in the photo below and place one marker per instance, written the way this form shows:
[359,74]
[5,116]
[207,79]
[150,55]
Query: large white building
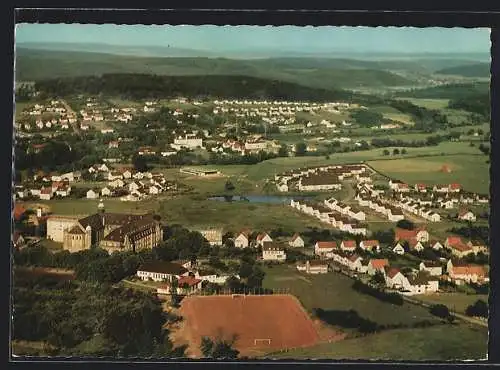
[189,141]
[273,252]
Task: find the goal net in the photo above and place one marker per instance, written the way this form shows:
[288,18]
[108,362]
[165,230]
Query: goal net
[262,341]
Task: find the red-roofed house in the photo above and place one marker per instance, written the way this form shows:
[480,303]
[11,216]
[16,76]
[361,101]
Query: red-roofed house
[263,238]
[454,188]
[46,194]
[19,212]
[418,234]
[461,272]
[348,245]
[322,248]
[394,279]
[422,188]
[370,245]
[375,265]
[451,241]
[296,241]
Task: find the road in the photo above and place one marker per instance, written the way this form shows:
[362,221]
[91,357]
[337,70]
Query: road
[460,316]
[76,129]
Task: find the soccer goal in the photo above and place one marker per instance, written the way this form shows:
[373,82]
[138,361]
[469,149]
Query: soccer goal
[237,295]
[260,342]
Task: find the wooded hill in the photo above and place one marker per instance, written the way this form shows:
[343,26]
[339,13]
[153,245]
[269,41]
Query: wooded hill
[143,86]
[473,70]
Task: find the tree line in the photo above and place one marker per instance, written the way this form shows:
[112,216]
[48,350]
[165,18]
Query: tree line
[144,86]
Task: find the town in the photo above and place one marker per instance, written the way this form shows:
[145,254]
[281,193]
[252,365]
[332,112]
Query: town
[248,216]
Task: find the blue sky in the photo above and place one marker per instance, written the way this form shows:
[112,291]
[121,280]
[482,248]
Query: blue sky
[227,38]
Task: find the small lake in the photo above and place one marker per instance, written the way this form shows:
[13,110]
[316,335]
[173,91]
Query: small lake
[269,199]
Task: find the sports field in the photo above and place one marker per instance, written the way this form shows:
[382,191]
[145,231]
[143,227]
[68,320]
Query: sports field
[471,171]
[258,323]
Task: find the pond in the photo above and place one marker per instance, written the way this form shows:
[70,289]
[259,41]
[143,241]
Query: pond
[269,199]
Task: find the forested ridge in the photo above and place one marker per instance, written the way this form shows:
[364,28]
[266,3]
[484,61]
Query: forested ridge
[144,86]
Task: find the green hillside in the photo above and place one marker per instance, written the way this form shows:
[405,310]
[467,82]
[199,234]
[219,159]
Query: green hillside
[452,91]
[473,70]
[32,65]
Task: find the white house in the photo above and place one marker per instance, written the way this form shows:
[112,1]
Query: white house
[466,215]
[356,264]
[313,267]
[161,271]
[434,268]
[273,252]
[106,192]
[91,194]
[398,249]
[241,241]
[375,265]
[322,248]
[263,238]
[436,245]
[394,279]
[296,241]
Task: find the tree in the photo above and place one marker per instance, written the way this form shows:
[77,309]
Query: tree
[403,151]
[405,224]
[395,151]
[386,152]
[479,308]
[283,151]
[300,149]
[229,186]
[218,348]
[378,279]
[139,163]
[440,310]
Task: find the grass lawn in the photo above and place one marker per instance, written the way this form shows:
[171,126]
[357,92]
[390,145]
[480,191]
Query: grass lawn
[333,291]
[197,212]
[429,103]
[441,343]
[400,117]
[457,302]
[20,107]
[471,171]
[84,207]
[51,245]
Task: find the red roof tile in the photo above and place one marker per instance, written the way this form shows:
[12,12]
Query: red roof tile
[327,245]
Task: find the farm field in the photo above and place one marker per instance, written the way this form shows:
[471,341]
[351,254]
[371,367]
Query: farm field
[471,171]
[454,342]
[454,301]
[428,103]
[333,291]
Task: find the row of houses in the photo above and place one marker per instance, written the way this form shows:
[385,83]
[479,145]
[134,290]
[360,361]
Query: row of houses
[44,192]
[385,209]
[345,209]
[321,177]
[333,218]
[242,240]
[324,249]
[248,146]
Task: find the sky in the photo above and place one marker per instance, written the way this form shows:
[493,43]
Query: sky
[229,38]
